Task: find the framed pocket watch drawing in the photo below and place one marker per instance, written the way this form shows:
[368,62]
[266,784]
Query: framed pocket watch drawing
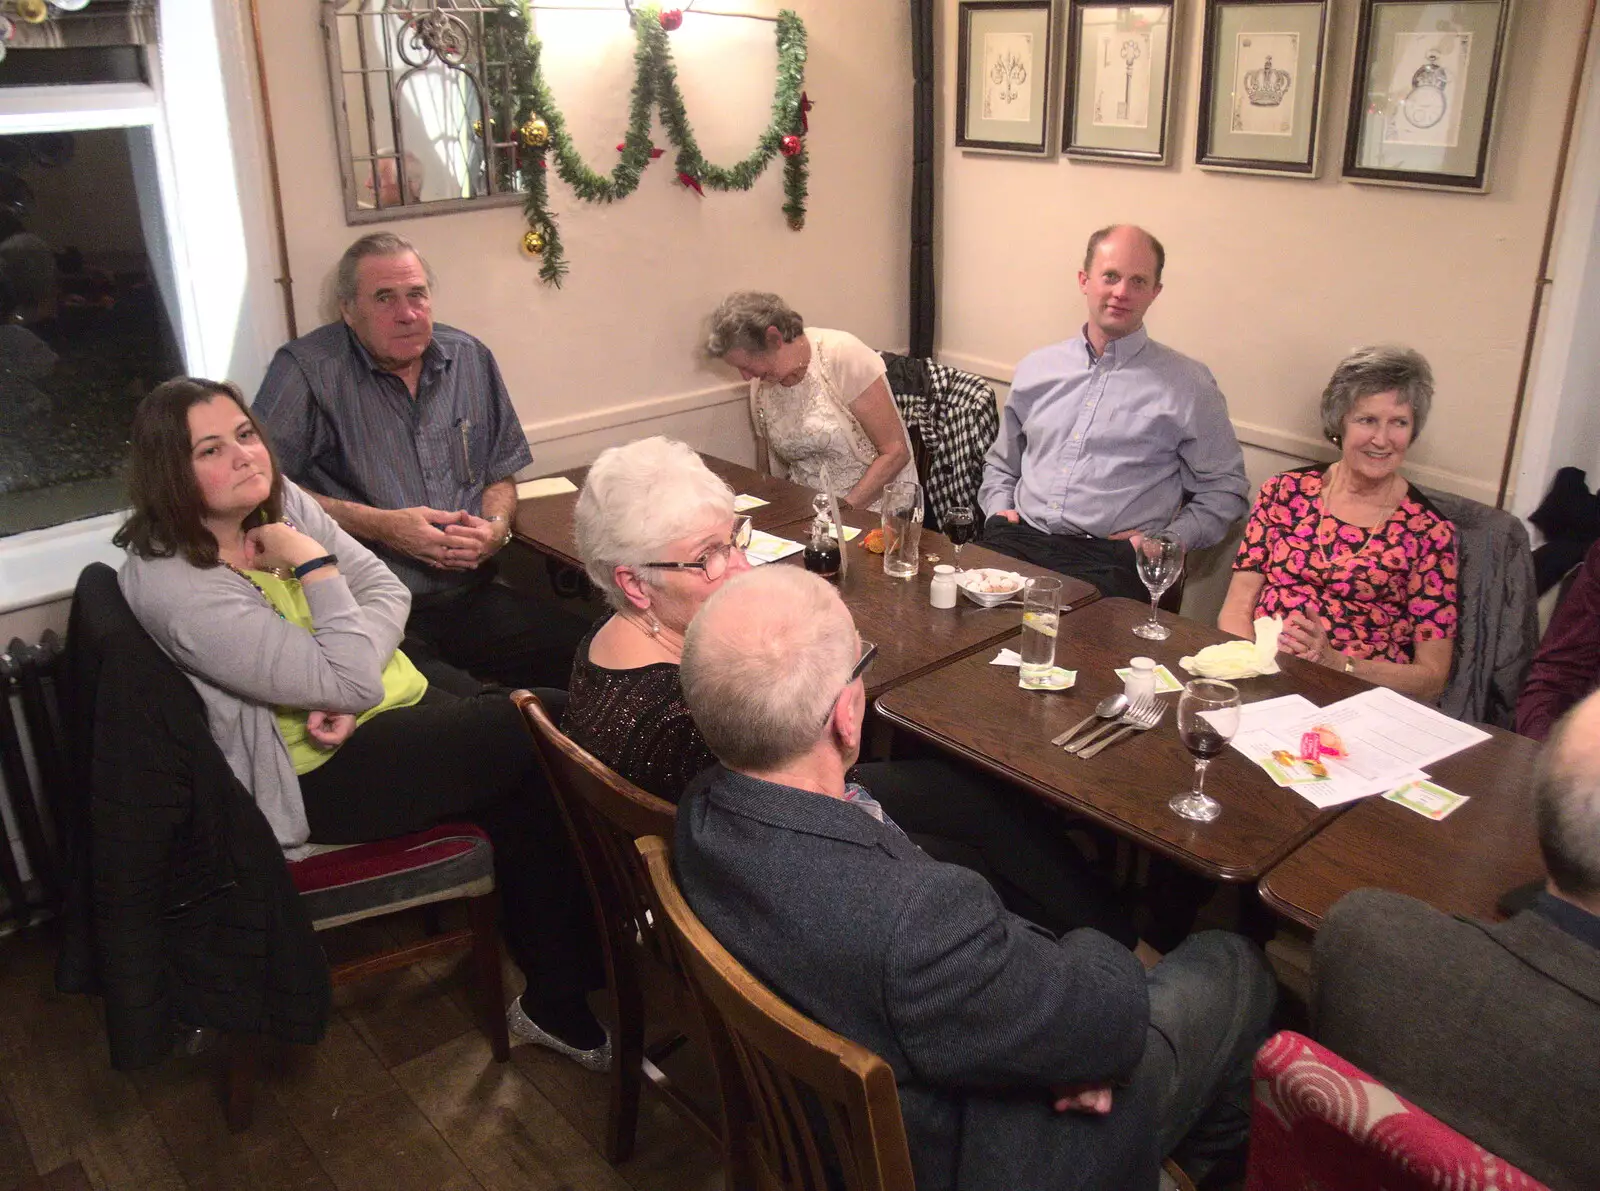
[1422,101]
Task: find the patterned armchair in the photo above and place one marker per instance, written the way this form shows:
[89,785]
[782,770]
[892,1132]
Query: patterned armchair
[1321,1124]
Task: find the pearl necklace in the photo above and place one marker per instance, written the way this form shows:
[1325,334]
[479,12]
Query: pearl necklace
[652,630]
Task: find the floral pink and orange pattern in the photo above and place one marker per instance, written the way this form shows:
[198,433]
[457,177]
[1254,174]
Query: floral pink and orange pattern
[1377,593]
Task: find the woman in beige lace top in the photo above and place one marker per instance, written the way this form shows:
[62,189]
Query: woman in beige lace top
[817,397]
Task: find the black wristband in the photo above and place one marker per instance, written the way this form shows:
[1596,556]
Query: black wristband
[305,568]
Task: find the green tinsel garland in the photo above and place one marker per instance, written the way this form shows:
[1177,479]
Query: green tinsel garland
[655,84]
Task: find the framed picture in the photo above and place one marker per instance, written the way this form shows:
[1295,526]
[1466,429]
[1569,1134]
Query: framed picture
[1261,83]
[1005,71]
[1422,101]
[1118,80]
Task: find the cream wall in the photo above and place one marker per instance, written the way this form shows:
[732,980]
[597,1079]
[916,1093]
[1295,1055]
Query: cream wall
[613,353]
[1270,281]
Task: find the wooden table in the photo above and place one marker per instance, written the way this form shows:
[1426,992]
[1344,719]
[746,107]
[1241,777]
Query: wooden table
[545,522]
[912,636]
[1460,865]
[977,711]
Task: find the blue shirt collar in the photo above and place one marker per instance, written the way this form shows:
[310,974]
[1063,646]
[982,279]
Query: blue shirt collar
[1120,350]
[1575,920]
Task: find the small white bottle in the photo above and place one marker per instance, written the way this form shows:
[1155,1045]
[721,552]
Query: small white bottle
[942,591]
[1141,680]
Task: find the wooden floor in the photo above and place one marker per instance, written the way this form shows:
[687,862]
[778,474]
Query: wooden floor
[402,1094]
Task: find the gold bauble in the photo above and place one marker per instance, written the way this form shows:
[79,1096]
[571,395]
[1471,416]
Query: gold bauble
[477,128]
[536,133]
[32,11]
[533,242]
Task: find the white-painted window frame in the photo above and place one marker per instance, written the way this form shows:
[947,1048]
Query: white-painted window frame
[208,165]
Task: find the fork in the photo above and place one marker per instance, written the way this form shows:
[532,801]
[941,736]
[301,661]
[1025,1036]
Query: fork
[1143,718]
[1128,719]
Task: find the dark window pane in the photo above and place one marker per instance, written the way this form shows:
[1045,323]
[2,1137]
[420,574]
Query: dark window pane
[84,330]
[87,64]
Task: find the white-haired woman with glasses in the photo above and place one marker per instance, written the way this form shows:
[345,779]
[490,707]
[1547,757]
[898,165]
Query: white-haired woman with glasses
[817,398]
[1353,557]
[658,535]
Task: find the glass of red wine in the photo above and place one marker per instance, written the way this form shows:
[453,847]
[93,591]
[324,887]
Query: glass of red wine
[960,527]
[1208,716]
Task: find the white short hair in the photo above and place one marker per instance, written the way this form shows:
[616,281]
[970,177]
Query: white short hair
[637,500]
[764,662]
[1566,786]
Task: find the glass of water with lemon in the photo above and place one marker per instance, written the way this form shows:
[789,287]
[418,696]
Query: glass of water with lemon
[1041,612]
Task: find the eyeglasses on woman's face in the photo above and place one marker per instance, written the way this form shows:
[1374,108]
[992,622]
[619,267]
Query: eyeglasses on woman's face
[712,562]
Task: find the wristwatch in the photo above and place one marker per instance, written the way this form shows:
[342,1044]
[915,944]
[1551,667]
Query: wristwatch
[505,539]
[1349,664]
[305,568]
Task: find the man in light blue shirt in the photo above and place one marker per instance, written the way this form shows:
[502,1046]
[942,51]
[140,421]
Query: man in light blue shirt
[1109,435]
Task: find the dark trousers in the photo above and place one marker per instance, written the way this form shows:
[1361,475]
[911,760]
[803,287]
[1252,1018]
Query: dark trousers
[495,633]
[1211,1001]
[1109,565]
[470,758]
[1021,848]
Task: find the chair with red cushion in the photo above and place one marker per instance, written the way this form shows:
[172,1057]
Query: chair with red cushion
[1320,1122]
[341,885]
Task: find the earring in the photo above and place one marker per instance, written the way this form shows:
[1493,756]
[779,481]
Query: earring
[655,625]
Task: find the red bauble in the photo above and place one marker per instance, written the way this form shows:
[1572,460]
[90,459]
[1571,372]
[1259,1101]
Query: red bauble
[671,18]
[791,146]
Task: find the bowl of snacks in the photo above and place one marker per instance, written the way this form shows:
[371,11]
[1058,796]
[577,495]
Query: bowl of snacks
[990,586]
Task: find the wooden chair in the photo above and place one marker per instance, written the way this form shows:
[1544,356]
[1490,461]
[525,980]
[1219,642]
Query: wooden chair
[344,884]
[775,1065]
[149,810]
[605,814]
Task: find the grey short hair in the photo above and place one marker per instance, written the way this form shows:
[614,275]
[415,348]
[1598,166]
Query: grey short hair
[763,664]
[1567,801]
[373,244]
[1378,369]
[638,499]
[740,323]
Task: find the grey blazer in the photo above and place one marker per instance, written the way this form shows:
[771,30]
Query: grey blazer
[978,1012]
[1494,1029]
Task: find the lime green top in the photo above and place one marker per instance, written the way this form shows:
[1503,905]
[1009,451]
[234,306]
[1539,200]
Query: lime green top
[403,683]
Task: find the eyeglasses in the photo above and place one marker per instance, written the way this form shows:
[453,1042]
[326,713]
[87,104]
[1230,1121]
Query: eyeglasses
[714,562]
[869,654]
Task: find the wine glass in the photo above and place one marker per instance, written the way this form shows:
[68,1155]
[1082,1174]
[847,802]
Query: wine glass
[960,527]
[1208,716]
[1160,558]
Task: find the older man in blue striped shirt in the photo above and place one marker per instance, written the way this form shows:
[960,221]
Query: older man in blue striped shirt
[1105,433]
[403,430]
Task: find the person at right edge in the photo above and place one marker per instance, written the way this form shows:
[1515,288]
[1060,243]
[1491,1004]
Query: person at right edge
[1494,1028]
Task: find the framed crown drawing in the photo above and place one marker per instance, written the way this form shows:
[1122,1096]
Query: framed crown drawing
[1423,96]
[1118,80]
[1005,76]
[1261,86]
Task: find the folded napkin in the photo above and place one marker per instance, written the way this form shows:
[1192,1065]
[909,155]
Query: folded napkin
[1240,659]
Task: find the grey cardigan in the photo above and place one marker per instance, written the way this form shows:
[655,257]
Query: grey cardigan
[246,660]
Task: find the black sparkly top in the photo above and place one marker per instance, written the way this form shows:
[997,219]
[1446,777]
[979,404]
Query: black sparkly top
[636,722]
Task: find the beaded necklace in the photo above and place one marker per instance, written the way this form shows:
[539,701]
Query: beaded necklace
[245,576]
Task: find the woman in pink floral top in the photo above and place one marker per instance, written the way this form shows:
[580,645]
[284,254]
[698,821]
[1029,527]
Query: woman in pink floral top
[1359,564]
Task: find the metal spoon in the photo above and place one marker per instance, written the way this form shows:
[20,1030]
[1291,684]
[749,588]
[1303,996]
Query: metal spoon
[1108,708]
